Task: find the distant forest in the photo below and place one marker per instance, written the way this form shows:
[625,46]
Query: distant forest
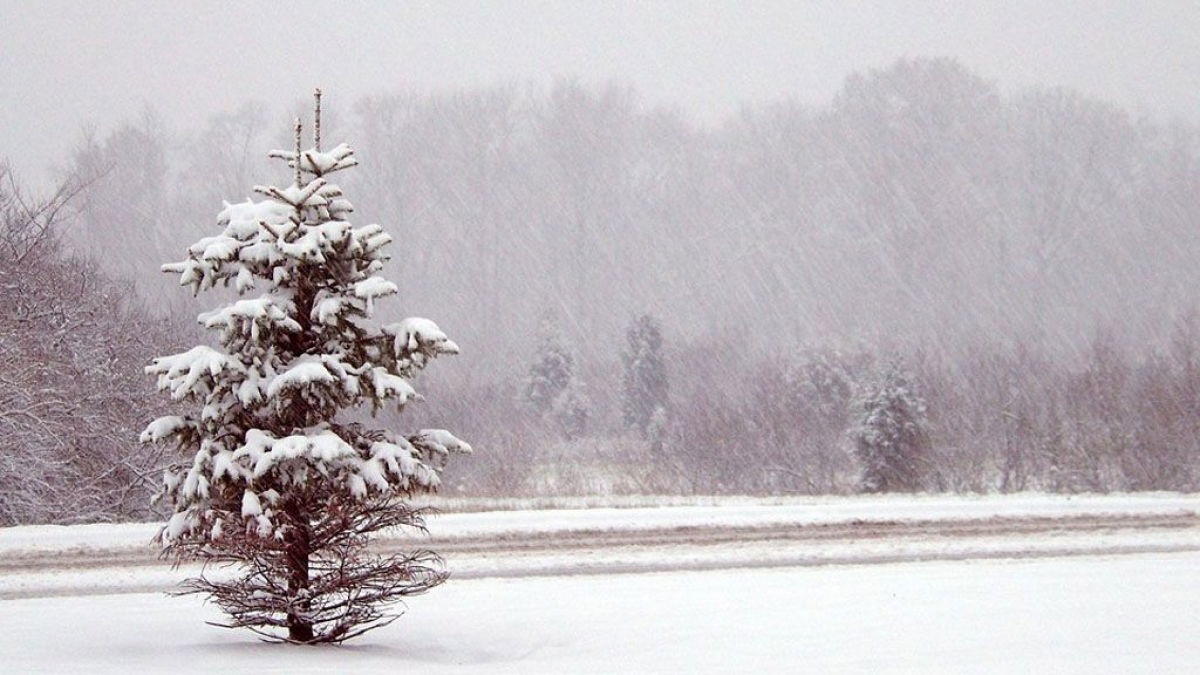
[1028,261]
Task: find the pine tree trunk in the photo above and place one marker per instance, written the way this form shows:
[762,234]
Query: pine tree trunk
[300,628]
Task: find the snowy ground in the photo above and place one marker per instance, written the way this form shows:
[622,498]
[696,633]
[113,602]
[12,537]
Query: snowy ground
[1026,583]
[1124,614]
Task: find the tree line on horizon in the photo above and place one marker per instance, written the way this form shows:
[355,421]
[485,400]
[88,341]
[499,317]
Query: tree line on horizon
[1025,263]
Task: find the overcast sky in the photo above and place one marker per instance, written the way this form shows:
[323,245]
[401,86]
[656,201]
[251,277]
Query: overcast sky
[67,64]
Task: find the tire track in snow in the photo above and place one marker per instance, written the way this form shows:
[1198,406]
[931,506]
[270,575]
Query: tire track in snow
[566,540]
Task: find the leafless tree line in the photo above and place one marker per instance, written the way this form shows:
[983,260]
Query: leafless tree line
[920,204]
[72,395]
[1031,257]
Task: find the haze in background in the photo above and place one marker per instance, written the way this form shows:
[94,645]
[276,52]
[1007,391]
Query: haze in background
[665,281]
[64,65]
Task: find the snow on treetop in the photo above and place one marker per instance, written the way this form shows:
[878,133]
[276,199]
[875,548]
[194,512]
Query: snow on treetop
[259,240]
[244,219]
[295,195]
[319,163]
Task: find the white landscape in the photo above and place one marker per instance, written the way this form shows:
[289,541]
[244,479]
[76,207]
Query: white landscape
[1104,584]
[770,337]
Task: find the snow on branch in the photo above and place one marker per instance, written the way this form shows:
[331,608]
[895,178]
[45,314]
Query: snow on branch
[251,316]
[192,372]
[319,163]
[417,335]
[163,428]
[294,195]
[439,442]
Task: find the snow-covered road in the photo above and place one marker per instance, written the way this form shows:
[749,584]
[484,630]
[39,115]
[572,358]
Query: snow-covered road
[102,559]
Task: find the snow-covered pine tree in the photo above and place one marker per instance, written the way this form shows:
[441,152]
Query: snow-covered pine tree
[644,404]
[891,438]
[273,478]
[552,390]
[551,370]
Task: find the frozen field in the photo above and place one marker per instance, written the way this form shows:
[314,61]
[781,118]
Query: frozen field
[1126,614]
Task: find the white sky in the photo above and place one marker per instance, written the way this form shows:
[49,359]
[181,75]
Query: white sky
[66,64]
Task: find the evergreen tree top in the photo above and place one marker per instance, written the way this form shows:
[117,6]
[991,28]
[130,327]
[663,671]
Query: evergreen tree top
[293,356]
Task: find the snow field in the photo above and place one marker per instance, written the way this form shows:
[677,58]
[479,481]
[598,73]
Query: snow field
[1124,614]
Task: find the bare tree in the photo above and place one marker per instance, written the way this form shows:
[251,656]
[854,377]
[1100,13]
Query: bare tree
[70,339]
